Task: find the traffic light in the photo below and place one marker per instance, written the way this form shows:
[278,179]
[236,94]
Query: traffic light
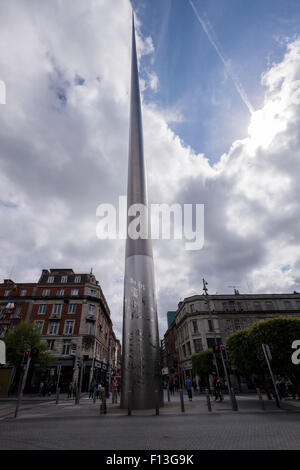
[26,356]
[216,348]
[34,352]
[224,352]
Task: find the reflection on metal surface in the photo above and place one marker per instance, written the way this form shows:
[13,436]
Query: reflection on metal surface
[140,348]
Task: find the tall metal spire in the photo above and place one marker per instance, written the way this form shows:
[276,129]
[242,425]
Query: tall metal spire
[140,347]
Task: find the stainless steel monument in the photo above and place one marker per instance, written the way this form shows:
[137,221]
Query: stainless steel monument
[141,373]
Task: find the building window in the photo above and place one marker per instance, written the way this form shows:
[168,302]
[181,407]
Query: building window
[60,292]
[240,306]
[195,326]
[237,324]
[269,305]
[39,324]
[46,292]
[77,279]
[66,348]
[6,293]
[72,308]
[206,305]
[89,328]
[69,325]
[287,304]
[18,309]
[42,308]
[23,292]
[93,292]
[229,326]
[64,279]
[188,344]
[183,350]
[3,329]
[225,306]
[74,292]
[50,344]
[232,305]
[244,323]
[257,305]
[92,309]
[210,325]
[198,345]
[56,308]
[50,279]
[13,325]
[53,327]
[192,308]
[298,304]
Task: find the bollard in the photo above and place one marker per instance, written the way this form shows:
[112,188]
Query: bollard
[208,401]
[181,400]
[129,402]
[260,398]
[156,402]
[104,403]
[233,400]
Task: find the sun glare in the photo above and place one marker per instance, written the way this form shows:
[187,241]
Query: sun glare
[265,124]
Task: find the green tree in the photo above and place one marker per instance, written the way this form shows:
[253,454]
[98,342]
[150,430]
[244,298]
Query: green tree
[26,336]
[279,333]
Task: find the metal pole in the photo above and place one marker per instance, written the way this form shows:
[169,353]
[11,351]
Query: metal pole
[277,399]
[181,400]
[169,392]
[57,384]
[230,390]
[22,384]
[212,323]
[208,400]
[129,402]
[156,402]
[79,383]
[233,400]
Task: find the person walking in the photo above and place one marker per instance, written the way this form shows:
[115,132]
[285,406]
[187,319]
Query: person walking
[189,386]
[171,387]
[217,386]
[92,389]
[114,390]
[70,387]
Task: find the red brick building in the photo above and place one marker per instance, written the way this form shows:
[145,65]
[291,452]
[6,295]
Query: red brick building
[73,316]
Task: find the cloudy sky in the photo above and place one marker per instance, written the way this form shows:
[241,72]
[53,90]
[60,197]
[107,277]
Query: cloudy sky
[220,84]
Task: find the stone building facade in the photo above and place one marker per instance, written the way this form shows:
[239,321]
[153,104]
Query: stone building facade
[202,318]
[74,319]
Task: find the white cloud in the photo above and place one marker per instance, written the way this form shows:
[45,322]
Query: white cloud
[64,148]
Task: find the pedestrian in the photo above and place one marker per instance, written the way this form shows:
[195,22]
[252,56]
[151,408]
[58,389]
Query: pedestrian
[114,390]
[171,387]
[70,387]
[189,386]
[92,389]
[217,386]
[100,391]
[41,388]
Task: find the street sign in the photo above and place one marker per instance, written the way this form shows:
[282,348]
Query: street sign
[2,353]
[165,371]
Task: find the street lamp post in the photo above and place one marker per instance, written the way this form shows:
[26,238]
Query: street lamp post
[212,323]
